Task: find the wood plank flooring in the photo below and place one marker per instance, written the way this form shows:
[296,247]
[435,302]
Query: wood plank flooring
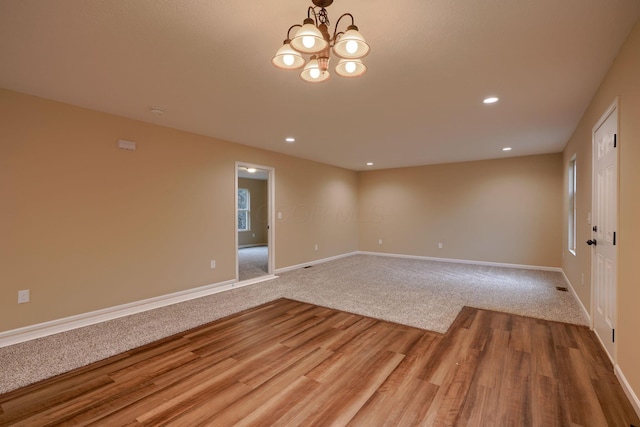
[292,363]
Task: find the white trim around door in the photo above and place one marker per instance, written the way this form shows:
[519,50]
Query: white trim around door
[271,185]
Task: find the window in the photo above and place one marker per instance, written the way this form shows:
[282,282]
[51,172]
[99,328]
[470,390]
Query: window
[572,205]
[244,208]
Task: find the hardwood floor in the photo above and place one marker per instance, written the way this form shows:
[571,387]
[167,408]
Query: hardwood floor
[292,363]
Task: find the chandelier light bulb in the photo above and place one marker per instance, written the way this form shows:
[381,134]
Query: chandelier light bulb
[288,59]
[314,73]
[352,46]
[350,67]
[308,41]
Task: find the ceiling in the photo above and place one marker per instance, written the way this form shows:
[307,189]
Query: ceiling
[207,64]
[260,174]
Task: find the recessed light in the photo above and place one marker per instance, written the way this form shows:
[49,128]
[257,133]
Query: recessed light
[369,163]
[490,100]
[506,149]
[156,110]
[290,139]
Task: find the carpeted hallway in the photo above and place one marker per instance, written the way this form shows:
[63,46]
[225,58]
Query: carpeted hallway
[253,262]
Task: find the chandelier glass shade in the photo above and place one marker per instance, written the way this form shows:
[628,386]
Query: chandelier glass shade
[287,58]
[313,72]
[350,68]
[309,39]
[351,44]
[312,38]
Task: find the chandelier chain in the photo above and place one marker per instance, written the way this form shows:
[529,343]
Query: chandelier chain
[323,17]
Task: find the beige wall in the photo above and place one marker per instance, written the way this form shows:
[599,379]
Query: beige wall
[318,209]
[85,225]
[259,212]
[623,80]
[506,210]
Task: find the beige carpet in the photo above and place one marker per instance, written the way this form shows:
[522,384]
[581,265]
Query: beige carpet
[424,294]
[253,262]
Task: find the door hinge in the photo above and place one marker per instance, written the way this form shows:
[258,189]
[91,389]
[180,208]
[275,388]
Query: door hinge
[615,140]
[614,238]
[613,335]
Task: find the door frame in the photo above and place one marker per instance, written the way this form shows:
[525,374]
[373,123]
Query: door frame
[613,107]
[271,186]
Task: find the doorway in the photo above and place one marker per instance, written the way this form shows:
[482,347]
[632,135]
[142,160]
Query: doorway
[254,229]
[604,232]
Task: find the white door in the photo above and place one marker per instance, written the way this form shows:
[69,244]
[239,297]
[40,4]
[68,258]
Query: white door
[605,224]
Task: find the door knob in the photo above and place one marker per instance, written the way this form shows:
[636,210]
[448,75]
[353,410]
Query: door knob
[592,242]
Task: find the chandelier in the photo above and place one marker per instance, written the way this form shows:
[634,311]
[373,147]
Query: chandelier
[312,38]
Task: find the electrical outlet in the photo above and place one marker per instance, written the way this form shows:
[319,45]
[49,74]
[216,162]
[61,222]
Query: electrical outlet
[316,246]
[213,263]
[24,296]
[440,245]
[379,241]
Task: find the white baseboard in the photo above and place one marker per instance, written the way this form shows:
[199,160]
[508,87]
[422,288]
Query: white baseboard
[463,261]
[255,280]
[40,330]
[575,295]
[633,398]
[318,261]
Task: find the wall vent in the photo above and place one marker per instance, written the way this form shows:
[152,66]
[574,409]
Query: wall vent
[126,145]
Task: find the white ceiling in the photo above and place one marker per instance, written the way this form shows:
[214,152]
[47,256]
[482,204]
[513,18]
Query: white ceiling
[207,63]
